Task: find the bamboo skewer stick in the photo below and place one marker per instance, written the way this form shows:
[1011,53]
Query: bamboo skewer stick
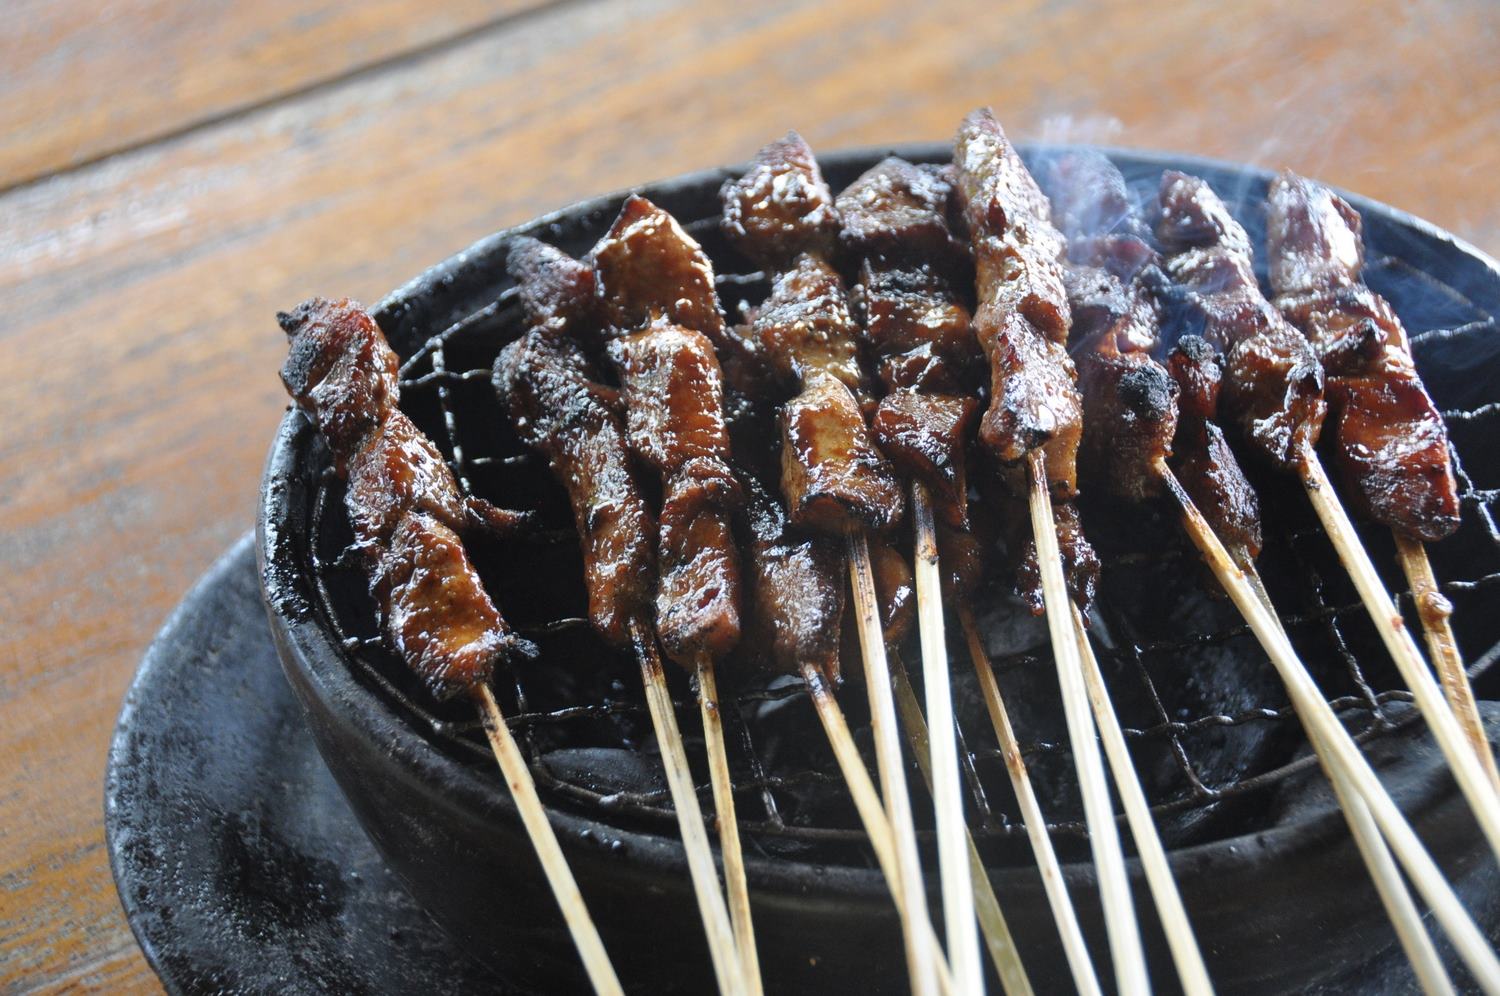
[1456,748]
[721,946]
[1328,736]
[997,935]
[1434,611]
[919,953]
[866,801]
[1104,837]
[596,961]
[729,830]
[1389,886]
[944,777]
[1063,914]
[1191,970]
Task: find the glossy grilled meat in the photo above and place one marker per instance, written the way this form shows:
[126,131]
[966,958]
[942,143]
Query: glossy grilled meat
[1080,562]
[646,267]
[674,405]
[397,469]
[1388,439]
[805,325]
[403,502]
[1023,317]
[832,476]
[437,616]
[1129,400]
[915,324]
[781,208]
[1273,385]
[557,292]
[924,436]
[895,589]
[1204,463]
[795,587]
[341,372]
[1129,417]
[897,213]
[560,410]
[1034,399]
[1017,250]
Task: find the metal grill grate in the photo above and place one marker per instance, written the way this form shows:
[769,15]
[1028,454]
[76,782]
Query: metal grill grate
[1207,723]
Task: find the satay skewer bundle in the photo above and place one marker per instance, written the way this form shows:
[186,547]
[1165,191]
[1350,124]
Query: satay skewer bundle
[868,363]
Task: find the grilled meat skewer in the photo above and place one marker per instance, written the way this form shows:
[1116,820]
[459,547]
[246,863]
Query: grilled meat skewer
[1273,382]
[1206,466]
[1023,320]
[673,395]
[559,408]
[1389,442]
[1129,399]
[1022,323]
[833,477]
[667,373]
[916,324]
[404,504]
[406,507]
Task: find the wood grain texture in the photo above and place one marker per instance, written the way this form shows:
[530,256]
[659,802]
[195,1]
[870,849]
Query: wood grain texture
[138,291]
[83,79]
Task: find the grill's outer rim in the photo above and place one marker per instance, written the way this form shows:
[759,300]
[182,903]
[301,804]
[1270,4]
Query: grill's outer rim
[434,299]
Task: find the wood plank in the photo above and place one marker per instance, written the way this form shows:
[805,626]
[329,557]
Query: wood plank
[139,291]
[80,80]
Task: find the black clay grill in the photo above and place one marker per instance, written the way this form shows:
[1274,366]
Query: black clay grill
[1207,721]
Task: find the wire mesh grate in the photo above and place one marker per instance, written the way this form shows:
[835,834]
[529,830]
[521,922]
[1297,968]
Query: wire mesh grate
[1205,719]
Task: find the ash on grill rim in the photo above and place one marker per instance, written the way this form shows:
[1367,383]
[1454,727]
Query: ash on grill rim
[447,376]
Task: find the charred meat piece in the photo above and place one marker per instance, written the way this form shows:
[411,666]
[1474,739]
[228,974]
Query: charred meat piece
[1273,386]
[340,371]
[1129,400]
[897,212]
[1034,399]
[962,555]
[1080,562]
[1017,251]
[403,502]
[918,327]
[559,409]
[1023,316]
[796,588]
[924,437]
[557,292]
[832,475]
[1129,417]
[805,325]
[674,403]
[896,589]
[396,470]
[1204,463]
[646,267]
[1389,441]
[781,208]
[437,615]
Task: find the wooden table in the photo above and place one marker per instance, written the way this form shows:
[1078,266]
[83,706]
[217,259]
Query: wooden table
[172,172]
